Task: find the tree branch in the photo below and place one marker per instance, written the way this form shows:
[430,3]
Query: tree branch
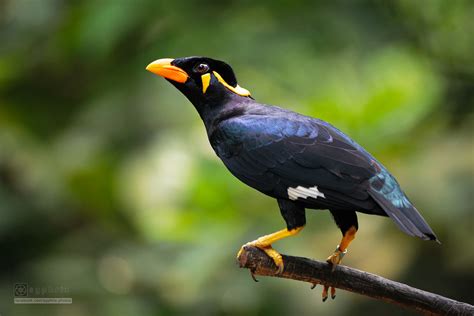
[317,272]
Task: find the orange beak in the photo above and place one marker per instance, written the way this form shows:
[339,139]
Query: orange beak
[162,67]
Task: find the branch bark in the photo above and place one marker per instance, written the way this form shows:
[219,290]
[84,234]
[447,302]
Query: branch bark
[349,279]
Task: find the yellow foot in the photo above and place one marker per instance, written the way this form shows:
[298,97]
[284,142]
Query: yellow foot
[336,257]
[272,253]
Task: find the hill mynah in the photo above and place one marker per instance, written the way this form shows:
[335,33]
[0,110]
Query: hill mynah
[302,162]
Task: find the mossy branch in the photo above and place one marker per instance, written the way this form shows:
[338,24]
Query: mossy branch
[349,279]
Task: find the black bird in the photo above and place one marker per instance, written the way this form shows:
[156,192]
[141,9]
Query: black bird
[302,162]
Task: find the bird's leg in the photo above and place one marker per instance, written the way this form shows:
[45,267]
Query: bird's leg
[347,222]
[341,249]
[265,243]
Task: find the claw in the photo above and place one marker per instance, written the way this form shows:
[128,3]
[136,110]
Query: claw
[313,286]
[252,274]
[277,258]
[240,251]
[325,293]
[265,243]
[272,253]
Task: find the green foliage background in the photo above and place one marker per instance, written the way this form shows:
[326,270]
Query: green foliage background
[108,186]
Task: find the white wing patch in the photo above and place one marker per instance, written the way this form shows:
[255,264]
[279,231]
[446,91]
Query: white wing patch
[304,193]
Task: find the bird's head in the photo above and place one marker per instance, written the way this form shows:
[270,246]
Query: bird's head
[202,80]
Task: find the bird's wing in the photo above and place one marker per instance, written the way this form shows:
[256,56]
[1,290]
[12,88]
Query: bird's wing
[275,152]
[385,189]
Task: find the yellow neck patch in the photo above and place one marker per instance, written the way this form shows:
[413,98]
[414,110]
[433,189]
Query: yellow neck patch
[237,90]
[206,78]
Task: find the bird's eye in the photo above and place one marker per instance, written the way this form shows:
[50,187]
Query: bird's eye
[201,68]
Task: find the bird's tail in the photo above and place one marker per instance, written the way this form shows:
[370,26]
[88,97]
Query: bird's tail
[405,215]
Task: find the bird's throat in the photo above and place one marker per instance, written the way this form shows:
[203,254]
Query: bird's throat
[213,116]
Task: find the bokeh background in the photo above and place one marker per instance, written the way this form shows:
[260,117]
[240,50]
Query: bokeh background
[109,188]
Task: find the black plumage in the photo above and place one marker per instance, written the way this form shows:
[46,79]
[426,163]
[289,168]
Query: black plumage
[303,162]
[272,149]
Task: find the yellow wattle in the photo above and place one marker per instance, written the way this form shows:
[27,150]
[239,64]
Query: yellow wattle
[237,90]
[206,79]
